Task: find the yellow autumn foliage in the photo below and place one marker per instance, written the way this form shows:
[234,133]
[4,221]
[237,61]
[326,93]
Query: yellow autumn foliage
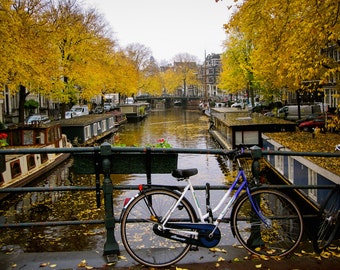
[285,43]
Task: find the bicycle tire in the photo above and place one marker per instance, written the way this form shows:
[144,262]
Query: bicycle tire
[329,221]
[139,239]
[277,240]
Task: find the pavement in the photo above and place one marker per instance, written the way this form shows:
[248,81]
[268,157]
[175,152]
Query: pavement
[223,257]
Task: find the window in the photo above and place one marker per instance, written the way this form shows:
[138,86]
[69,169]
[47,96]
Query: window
[111,122]
[247,137]
[87,133]
[279,163]
[312,180]
[15,168]
[30,162]
[291,169]
[103,125]
[95,129]
[44,157]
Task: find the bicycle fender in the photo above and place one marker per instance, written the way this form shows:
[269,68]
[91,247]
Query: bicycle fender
[126,204]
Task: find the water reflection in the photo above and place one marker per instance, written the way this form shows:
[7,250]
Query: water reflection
[182,128]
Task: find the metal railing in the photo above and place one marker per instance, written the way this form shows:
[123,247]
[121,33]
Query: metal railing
[101,159]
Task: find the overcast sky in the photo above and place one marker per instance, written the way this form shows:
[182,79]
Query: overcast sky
[167,27]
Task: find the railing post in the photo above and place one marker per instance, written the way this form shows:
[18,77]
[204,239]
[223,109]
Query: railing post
[256,153]
[255,238]
[111,246]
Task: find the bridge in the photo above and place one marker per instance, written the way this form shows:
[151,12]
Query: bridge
[170,100]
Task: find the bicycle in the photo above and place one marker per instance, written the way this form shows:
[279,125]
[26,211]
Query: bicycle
[159,225]
[329,217]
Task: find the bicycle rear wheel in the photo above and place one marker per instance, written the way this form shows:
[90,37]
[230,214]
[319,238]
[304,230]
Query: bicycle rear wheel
[329,221]
[137,228]
[277,240]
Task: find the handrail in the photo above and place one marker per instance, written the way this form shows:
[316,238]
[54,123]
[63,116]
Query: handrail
[155,150]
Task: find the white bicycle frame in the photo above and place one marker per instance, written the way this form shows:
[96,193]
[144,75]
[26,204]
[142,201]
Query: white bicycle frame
[202,217]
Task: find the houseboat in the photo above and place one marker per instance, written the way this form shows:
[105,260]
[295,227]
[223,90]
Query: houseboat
[239,128]
[18,170]
[119,117]
[89,129]
[135,111]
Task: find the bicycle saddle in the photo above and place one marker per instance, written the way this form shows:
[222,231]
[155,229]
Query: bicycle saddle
[184,173]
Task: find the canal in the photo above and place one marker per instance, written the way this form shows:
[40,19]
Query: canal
[181,128]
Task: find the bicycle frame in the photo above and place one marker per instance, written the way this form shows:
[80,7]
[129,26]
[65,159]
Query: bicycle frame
[203,217]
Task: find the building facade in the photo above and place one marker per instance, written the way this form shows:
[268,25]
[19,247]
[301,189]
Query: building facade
[209,74]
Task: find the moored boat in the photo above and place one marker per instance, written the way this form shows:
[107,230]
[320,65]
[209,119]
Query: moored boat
[18,170]
[89,129]
[135,111]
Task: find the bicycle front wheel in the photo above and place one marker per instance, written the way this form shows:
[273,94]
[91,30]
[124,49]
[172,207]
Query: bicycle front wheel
[329,223]
[278,239]
[137,228]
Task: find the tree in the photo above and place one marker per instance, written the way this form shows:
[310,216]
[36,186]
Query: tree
[236,67]
[287,38]
[124,75]
[185,68]
[85,52]
[144,64]
[152,80]
[26,57]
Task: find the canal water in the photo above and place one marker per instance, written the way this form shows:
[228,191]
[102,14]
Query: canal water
[181,128]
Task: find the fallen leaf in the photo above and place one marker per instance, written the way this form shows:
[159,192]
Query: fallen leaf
[217,265]
[220,259]
[325,254]
[214,249]
[82,263]
[53,265]
[258,265]
[264,257]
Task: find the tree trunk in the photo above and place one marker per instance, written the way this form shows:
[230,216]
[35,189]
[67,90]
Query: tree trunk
[22,99]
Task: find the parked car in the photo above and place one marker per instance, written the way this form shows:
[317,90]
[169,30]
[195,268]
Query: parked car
[239,105]
[107,107]
[37,119]
[129,100]
[259,108]
[291,112]
[315,123]
[70,114]
[80,110]
[310,117]
[98,110]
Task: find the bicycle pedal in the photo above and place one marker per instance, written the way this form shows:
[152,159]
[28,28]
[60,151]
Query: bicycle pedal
[195,248]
